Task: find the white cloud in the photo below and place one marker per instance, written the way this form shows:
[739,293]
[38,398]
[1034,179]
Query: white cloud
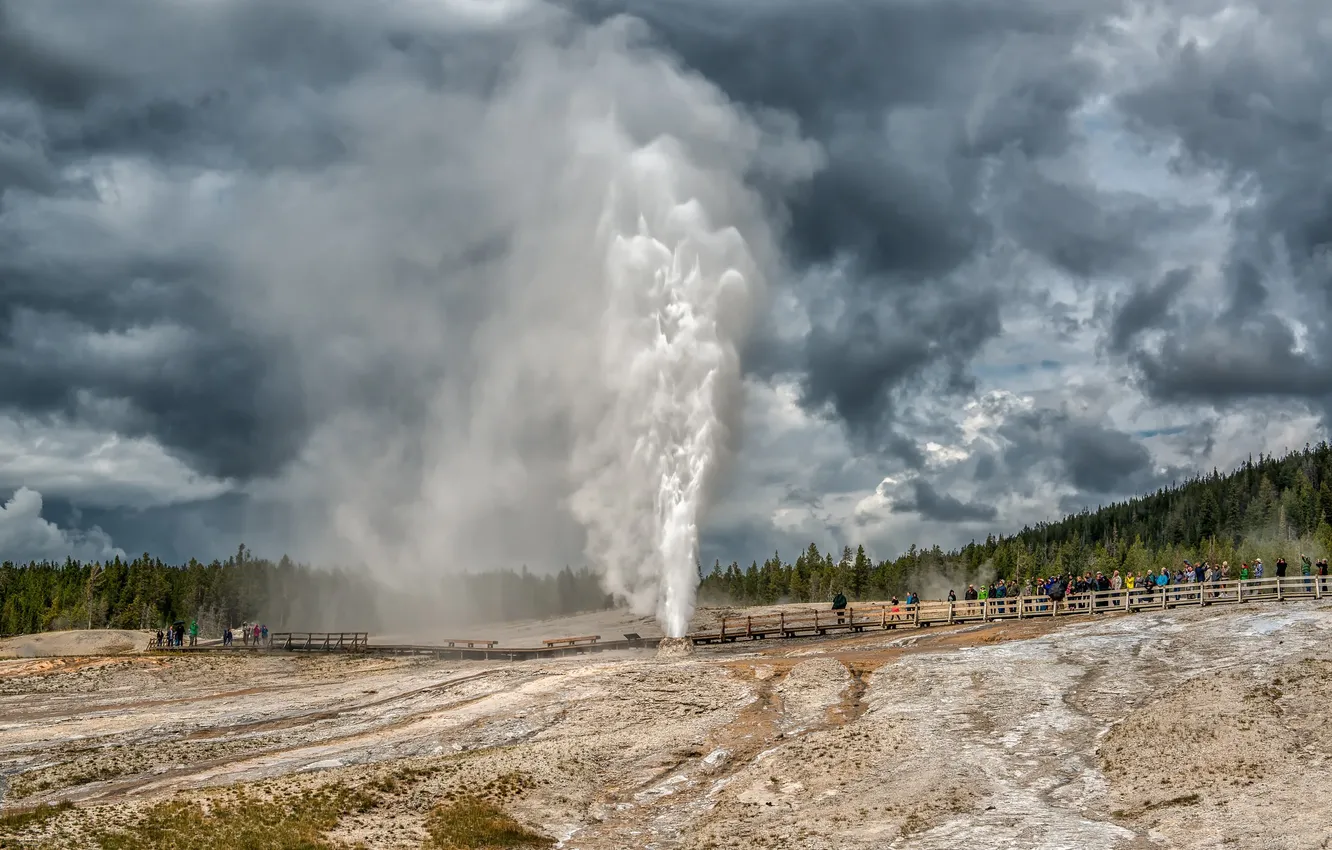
[26,536]
[95,468]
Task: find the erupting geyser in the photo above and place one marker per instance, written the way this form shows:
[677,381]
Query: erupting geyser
[678,304]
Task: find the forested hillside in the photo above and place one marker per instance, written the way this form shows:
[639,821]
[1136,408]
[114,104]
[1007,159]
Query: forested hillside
[1267,507]
[147,593]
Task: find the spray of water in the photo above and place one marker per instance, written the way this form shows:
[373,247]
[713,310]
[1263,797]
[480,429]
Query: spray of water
[517,316]
[678,294]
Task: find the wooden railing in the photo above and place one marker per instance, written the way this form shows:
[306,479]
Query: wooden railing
[571,641]
[317,641]
[888,616]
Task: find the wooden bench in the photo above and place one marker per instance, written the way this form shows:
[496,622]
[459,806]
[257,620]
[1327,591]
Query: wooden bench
[470,644]
[571,641]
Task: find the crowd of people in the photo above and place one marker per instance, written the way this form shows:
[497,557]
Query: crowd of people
[1058,587]
[251,634]
[174,635]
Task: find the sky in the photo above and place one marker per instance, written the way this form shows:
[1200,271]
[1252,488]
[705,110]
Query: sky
[313,275]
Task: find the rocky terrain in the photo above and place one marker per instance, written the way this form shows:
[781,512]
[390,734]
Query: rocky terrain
[1197,728]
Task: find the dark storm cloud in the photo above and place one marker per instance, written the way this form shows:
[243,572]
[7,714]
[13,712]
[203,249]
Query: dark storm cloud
[1095,458]
[942,507]
[941,124]
[30,67]
[1253,110]
[1086,232]
[911,102]
[915,104]
[854,365]
[1146,307]
[1102,460]
[1218,367]
[238,86]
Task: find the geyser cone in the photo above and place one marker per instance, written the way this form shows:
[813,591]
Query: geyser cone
[670,647]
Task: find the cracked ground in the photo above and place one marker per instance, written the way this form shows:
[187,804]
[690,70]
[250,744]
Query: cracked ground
[1191,729]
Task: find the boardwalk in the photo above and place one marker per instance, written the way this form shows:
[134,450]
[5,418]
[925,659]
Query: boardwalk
[810,622]
[859,618]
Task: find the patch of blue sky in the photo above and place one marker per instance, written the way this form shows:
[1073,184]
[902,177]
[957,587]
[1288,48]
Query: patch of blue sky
[1147,433]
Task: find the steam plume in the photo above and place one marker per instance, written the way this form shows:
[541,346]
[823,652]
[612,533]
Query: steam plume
[522,308]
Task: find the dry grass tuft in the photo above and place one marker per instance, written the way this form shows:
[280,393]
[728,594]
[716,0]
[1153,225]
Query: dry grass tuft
[472,824]
[20,819]
[289,822]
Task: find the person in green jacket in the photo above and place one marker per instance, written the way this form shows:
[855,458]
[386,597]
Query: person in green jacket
[839,605]
[194,632]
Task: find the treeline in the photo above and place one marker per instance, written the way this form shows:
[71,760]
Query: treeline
[146,593]
[1269,507]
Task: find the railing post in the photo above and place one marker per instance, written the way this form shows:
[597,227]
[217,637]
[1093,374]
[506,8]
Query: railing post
[950,612]
[1021,604]
[883,618]
[721,637]
[916,615]
[1239,591]
[985,610]
[1278,581]
[1318,587]
[782,621]
[749,626]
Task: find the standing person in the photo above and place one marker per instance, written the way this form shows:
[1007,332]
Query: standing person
[245,634]
[838,605]
[1056,591]
[194,632]
[1257,568]
[1306,570]
[263,633]
[1116,581]
[1281,567]
[952,595]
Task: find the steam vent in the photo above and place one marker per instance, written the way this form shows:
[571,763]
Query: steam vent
[675,648]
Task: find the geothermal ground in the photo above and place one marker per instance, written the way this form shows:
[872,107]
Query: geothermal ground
[1198,728]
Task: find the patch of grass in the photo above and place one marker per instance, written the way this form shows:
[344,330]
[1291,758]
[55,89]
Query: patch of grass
[472,824]
[295,821]
[16,821]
